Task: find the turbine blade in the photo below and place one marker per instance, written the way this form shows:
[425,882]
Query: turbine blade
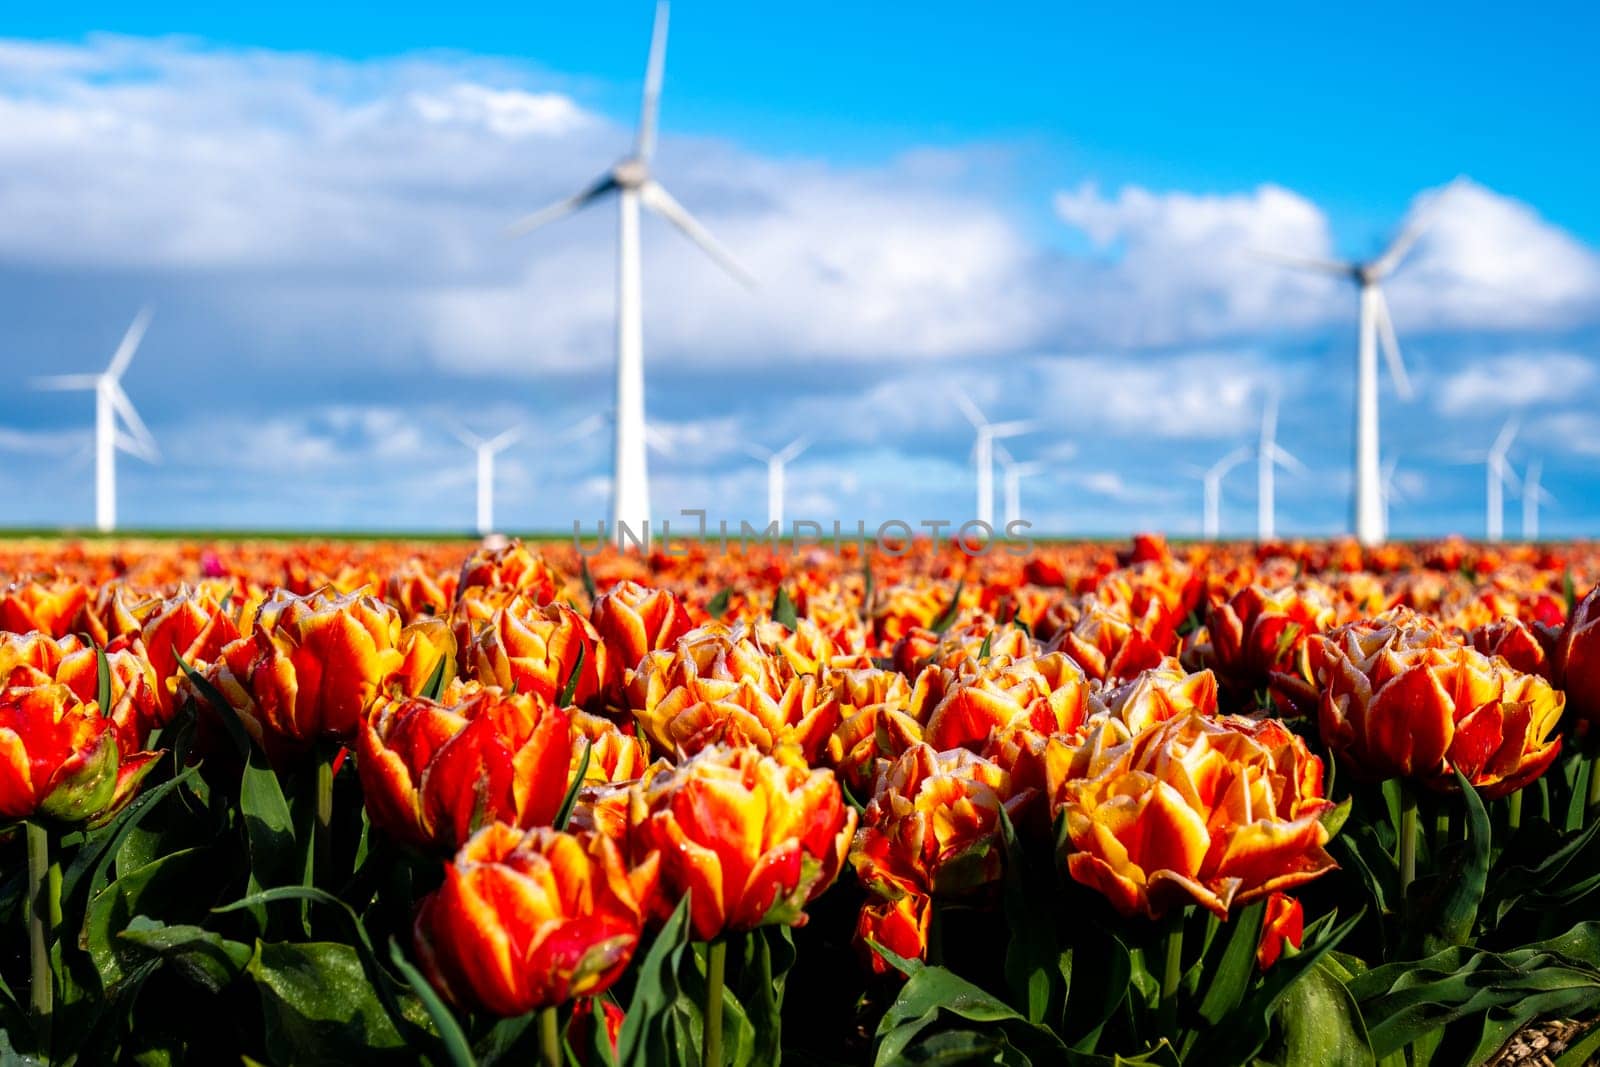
[133,446]
[1003,455]
[136,426]
[504,440]
[970,410]
[658,440]
[586,426]
[1502,441]
[758,453]
[562,208]
[1385,264]
[465,436]
[657,199]
[793,449]
[130,344]
[1283,458]
[1010,429]
[650,107]
[1391,347]
[66,381]
[1311,263]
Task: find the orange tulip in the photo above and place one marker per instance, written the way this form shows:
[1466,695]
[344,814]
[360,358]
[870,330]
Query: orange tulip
[1432,708]
[933,825]
[1284,923]
[1049,693]
[633,621]
[536,650]
[310,669]
[192,625]
[1578,661]
[1214,811]
[63,760]
[50,608]
[1107,645]
[531,920]
[1255,637]
[432,773]
[753,838]
[899,925]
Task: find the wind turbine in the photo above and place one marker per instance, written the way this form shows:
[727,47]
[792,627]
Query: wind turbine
[776,462]
[110,404]
[1533,494]
[632,182]
[983,452]
[1269,456]
[1391,492]
[1013,473]
[487,450]
[1499,475]
[1211,477]
[1376,327]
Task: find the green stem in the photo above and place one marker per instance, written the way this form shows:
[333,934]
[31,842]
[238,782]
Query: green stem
[1408,838]
[40,928]
[716,963]
[1441,827]
[1514,810]
[324,826]
[1172,974]
[550,1036]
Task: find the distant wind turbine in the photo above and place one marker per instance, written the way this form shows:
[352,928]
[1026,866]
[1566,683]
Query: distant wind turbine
[1533,494]
[1391,492]
[631,180]
[1376,326]
[110,404]
[776,463]
[487,449]
[1499,476]
[1211,478]
[983,452]
[1013,473]
[1269,456]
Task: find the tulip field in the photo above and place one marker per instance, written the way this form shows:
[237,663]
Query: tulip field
[364,802]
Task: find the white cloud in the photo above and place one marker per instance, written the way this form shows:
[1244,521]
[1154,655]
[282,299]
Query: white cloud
[1520,380]
[1184,266]
[1488,261]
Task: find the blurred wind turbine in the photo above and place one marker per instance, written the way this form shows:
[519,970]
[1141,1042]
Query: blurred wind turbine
[1533,494]
[983,452]
[487,450]
[110,403]
[1269,456]
[633,183]
[776,462]
[1013,474]
[1211,477]
[1499,476]
[1391,492]
[1376,326]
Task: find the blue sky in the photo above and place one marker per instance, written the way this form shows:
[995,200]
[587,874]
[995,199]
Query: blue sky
[1041,206]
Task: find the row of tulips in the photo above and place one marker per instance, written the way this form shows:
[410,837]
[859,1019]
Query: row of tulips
[1211,806]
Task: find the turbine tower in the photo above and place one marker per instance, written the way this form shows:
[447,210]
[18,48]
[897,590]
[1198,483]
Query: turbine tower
[1269,456]
[111,403]
[1376,328]
[1211,478]
[776,462]
[487,450]
[983,452]
[1533,494]
[633,183]
[1499,476]
[1013,473]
